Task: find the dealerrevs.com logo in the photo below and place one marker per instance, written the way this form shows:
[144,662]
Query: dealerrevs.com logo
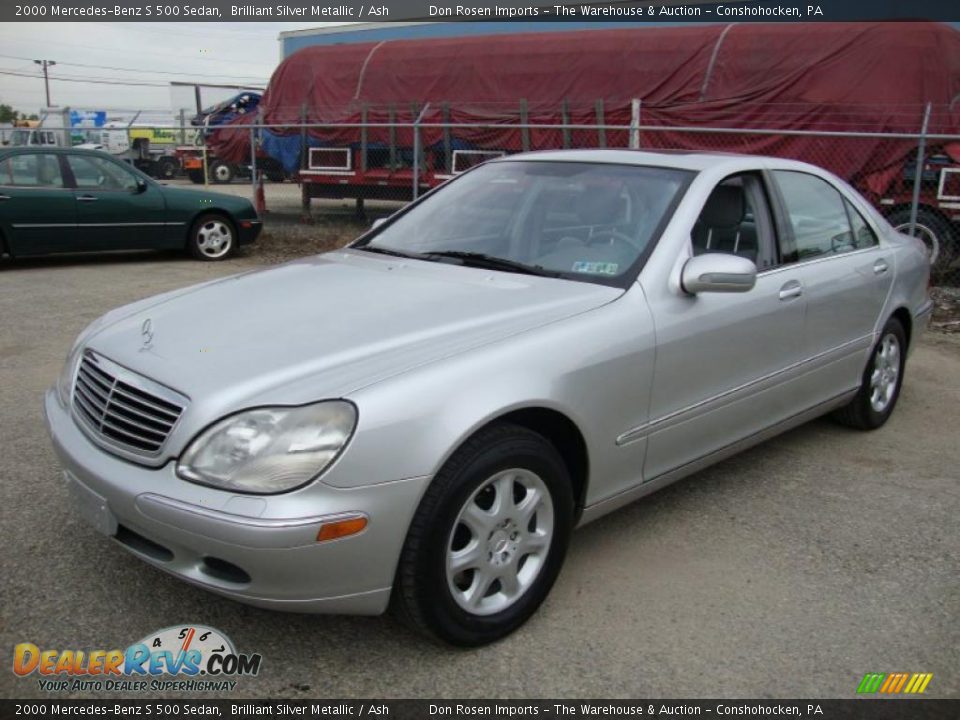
[202,658]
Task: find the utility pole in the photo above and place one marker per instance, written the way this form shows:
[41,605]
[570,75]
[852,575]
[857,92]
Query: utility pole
[46,77]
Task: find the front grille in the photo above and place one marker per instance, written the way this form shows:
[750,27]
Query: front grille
[122,409]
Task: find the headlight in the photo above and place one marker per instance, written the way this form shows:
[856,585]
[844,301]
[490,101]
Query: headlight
[65,381]
[269,450]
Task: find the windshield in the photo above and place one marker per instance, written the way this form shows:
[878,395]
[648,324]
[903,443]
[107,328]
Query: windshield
[582,221]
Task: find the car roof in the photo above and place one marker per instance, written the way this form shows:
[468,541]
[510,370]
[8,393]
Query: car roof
[15,149]
[679,159]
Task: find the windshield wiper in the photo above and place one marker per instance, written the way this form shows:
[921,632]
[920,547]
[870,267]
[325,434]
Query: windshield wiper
[492,262]
[391,252]
[467,258]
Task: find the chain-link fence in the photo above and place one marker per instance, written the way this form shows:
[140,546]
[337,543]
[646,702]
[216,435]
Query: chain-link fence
[297,173]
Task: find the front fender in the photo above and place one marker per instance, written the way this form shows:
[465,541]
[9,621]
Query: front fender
[595,368]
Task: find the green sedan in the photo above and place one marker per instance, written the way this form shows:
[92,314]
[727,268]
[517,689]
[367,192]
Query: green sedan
[56,200]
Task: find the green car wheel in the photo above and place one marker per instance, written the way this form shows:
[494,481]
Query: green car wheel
[212,237]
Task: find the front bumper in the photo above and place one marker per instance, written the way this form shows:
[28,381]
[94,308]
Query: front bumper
[249,230]
[244,547]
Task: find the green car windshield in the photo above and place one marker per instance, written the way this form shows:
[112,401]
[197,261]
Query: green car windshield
[585,221]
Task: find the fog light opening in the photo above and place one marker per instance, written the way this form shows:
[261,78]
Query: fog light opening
[223,570]
[341,528]
[144,546]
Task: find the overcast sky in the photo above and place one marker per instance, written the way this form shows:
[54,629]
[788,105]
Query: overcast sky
[151,53]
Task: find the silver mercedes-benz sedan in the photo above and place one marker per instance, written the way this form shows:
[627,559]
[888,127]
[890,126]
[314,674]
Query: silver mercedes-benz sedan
[423,417]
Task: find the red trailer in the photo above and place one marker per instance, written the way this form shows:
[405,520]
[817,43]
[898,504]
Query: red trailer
[479,97]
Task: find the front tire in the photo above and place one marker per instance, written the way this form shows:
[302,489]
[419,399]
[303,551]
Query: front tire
[882,379]
[488,540]
[212,238]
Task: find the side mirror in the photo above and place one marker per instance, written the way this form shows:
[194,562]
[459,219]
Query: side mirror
[141,185]
[377,223]
[717,272]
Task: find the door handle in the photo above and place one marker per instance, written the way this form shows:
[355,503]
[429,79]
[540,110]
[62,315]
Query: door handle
[790,290]
[880,267]
[86,198]
[4,197]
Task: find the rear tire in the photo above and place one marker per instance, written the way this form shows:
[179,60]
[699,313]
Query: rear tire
[488,540]
[936,233]
[212,238]
[882,379]
[220,173]
[167,169]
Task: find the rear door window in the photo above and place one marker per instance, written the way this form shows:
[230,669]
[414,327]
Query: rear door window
[38,170]
[817,215]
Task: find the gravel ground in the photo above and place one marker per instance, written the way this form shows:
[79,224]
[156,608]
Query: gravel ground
[280,243]
[788,571]
[946,309]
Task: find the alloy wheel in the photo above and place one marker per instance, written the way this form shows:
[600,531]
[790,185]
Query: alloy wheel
[499,541]
[214,239]
[886,373]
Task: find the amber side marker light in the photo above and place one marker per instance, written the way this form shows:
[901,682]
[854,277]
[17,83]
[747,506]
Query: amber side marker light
[341,528]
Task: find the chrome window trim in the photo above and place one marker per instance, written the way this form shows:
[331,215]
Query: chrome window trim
[814,260]
[65,188]
[140,224]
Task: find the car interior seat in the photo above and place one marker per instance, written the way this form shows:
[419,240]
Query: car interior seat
[600,208]
[726,225]
[48,172]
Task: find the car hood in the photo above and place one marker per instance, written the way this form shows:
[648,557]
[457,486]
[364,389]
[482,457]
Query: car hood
[324,326]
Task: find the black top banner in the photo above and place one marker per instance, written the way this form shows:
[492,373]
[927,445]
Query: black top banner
[473,10]
[862,709]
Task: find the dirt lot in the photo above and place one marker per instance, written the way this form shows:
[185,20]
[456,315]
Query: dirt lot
[788,571]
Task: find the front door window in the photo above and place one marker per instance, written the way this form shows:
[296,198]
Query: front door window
[93,173]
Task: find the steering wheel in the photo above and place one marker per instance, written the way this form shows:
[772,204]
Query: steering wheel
[615,236]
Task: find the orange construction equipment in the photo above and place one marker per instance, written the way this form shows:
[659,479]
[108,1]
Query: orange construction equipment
[260,199]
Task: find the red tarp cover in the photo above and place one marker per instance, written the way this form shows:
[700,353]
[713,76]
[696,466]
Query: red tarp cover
[825,76]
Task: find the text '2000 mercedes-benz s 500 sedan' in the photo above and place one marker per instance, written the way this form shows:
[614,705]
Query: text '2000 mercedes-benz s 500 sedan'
[423,417]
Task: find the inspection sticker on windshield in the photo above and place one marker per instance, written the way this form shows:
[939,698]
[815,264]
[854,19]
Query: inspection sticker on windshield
[596,268]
